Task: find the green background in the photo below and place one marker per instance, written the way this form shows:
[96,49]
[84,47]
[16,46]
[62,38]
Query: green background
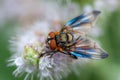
[107,69]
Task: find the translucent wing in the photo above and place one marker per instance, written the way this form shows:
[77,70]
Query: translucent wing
[83,20]
[90,53]
[74,20]
[86,48]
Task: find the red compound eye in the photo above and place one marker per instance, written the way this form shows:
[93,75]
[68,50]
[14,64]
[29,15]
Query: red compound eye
[51,41]
[52,44]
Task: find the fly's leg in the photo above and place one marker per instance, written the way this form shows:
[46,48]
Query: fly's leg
[47,53]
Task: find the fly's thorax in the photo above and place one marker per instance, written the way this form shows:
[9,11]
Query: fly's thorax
[64,39]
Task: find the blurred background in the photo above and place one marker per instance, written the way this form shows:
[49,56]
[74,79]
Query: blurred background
[15,13]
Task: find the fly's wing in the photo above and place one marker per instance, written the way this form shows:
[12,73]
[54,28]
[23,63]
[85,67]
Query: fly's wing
[86,20]
[91,53]
[89,49]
